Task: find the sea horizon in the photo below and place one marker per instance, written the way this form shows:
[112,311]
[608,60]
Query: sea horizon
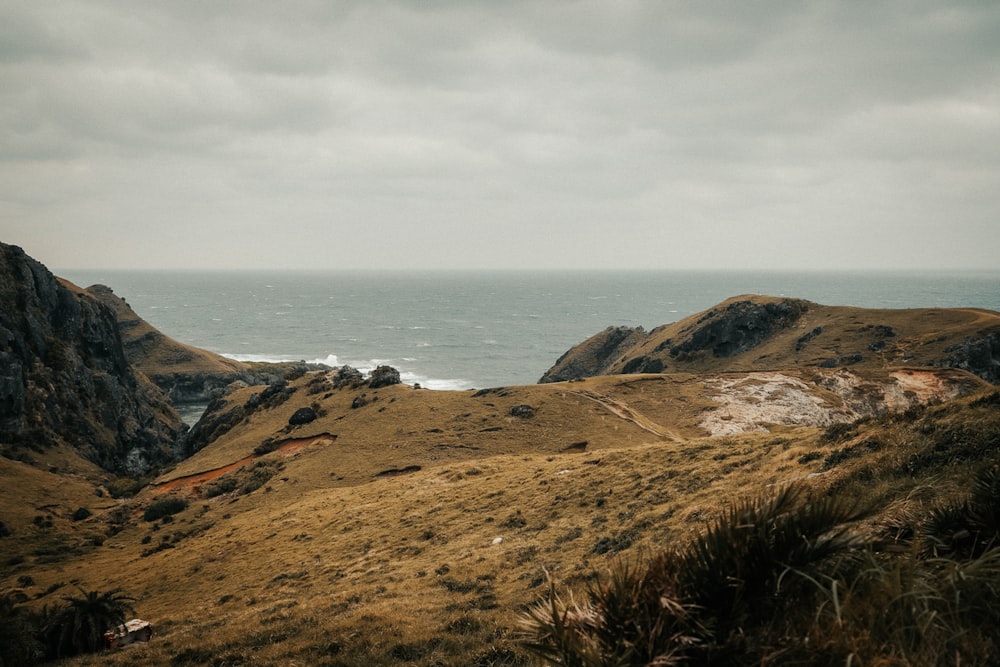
[475,328]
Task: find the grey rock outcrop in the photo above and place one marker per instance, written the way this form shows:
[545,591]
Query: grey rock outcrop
[383,376]
[65,379]
[302,416]
[980,356]
[347,376]
[740,326]
[595,354]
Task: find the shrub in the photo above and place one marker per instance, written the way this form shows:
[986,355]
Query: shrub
[79,627]
[970,528]
[701,600]
[125,487]
[258,475]
[613,544]
[19,633]
[269,445]
[220,486]
[735,567]
[164,507]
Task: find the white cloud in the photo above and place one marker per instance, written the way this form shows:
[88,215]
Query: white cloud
[577,133]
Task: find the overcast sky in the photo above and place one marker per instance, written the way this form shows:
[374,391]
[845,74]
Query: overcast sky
[436,134]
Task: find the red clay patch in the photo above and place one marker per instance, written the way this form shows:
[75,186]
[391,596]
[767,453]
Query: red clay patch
[190,483]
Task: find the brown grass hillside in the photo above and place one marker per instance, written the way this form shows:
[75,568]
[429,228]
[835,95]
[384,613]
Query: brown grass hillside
[311,556]
[752,332]
[396,525]
[392,428]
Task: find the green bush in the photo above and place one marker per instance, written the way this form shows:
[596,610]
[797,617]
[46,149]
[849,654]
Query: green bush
[125,487]
[220,486]
[166,506]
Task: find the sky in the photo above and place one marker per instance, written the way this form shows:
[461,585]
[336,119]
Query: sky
[501,135]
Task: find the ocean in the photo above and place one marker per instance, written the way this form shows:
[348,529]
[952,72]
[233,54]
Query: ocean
[463,330]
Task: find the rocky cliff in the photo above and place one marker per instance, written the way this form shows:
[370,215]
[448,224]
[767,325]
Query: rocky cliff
[751,333]
[65,378]
[187,374]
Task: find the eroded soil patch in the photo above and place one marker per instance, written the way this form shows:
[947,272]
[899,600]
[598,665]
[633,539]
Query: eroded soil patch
[192,483]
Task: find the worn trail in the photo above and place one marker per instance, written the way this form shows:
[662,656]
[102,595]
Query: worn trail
[623,411]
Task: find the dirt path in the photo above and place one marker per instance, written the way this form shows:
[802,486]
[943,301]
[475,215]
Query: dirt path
[623,411]
[190,483]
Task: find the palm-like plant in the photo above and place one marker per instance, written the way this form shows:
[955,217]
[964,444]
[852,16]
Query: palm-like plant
[626,619]
[80,626]
[693,603]
[968,529]
[736,566]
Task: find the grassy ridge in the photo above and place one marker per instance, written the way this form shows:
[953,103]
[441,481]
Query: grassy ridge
[406,569]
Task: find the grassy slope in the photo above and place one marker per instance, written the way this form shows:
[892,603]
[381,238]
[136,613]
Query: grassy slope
[328,563]
[38,506]
[921,336]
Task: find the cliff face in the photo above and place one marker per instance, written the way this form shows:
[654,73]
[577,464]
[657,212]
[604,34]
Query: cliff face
[187,374]
[594,355]
[65,379]
[752,333]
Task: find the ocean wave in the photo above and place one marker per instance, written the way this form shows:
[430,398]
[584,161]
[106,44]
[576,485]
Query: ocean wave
[435,384]
[330,360]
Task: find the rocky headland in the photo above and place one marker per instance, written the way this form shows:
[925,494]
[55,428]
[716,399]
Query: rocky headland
[65,379]
[751,333]
[185,373]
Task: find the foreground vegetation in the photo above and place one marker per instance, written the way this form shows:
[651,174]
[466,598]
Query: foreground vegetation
[789,579]
[77,626]
[866,543]
[879,570]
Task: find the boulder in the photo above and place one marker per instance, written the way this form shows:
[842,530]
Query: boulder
[522,411]
[383,376]
[347,376]
[302,416]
